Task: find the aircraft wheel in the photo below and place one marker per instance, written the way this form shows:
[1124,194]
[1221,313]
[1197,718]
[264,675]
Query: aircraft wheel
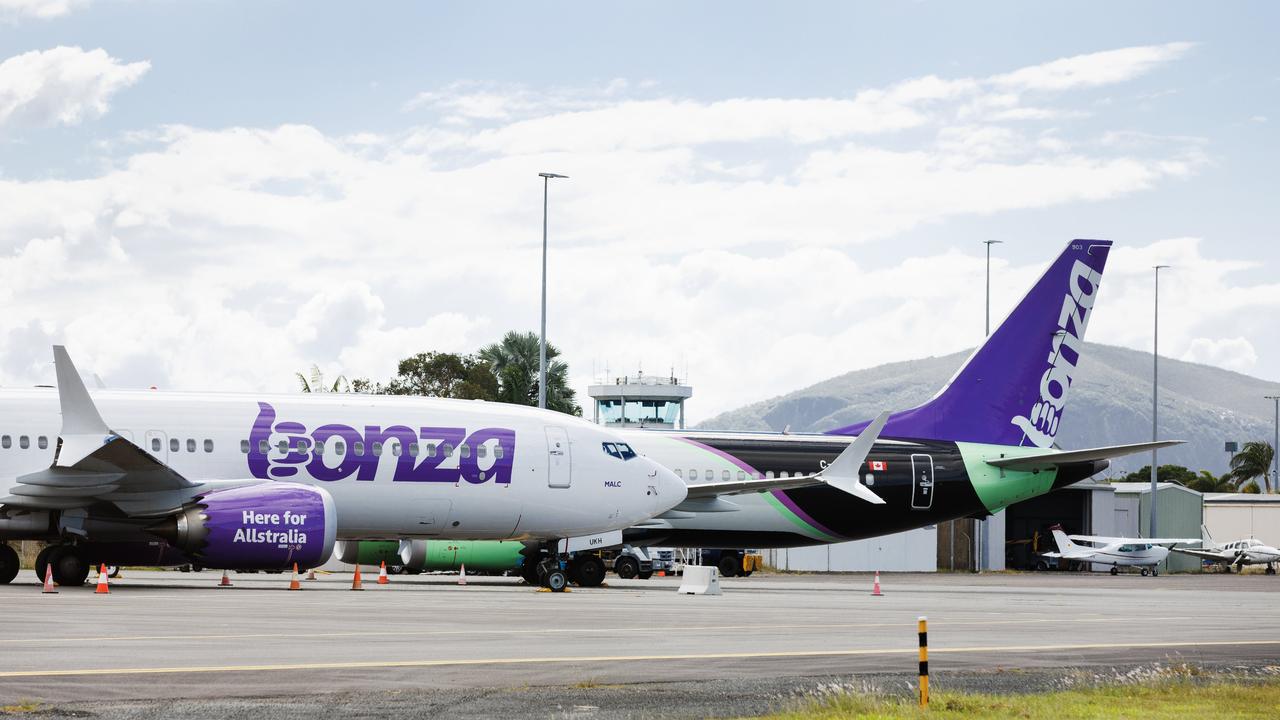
[1270,570]
[42,561]
[1226,569]
[113,571]
[1115,570]
[1145,572]
[555,580]
[1155,572]
[69,566]
[9,563]
[729,566]
[588,571]
[626,567]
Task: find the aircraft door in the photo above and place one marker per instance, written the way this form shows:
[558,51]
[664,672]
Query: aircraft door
[921,482]
[157,444]
[559,470]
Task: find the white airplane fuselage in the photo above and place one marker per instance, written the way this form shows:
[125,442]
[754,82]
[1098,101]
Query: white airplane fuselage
[395,466]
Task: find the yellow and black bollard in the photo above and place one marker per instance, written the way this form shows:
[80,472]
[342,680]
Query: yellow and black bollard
[923,629]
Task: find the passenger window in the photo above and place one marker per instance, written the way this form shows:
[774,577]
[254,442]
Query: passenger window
[678,473]
[446,450]
[357,448]
[208,445]
[283,446]
[431,450]
[724,474]
[155,444]
[6,442]
[377,449]
[395,448]
[319,452]
[24,442]
[466,450]
[191,445]
[413,449]
[769,475]
[42,442]
[783,474]
[482,451]
[710,475]
[742,475]
[244,446]
[173,445]
[264,447]
[871,479]
[498,452]
[339,447]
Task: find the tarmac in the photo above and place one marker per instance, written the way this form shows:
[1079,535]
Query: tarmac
[166,643]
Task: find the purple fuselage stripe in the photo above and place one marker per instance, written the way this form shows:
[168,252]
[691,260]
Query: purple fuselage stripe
[781,495]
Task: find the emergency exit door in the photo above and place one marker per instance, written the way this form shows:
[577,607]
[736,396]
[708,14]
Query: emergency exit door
[559,469]
[921,482]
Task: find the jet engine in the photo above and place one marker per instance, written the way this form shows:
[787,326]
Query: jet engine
[258,527]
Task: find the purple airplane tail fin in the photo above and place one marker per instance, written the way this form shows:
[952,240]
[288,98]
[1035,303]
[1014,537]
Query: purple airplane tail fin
[1012,390]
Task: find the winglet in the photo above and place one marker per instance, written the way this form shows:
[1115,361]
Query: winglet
[83,429]
[843,472]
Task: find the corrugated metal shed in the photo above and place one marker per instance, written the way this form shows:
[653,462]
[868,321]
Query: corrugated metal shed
[1236,516]
[1179,514]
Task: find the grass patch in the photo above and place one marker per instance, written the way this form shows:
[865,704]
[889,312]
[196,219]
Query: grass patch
[20,707]
[1163,700]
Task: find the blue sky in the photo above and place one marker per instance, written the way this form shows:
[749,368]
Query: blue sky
[306,182]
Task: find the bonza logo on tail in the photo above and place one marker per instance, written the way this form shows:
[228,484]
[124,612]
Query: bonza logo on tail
[427,454]
[1082,289]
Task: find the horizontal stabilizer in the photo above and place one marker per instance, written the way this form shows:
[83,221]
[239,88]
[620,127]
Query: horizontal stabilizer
[1045,460]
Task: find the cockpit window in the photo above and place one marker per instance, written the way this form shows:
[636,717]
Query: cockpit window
[611,449]
[627,452]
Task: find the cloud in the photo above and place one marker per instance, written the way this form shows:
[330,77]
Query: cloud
[1094,69]
[731,236]
[62,86]
[43,9]
[1231,353]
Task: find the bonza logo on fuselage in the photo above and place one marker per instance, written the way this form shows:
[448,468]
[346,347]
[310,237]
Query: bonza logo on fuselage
[1082,289]
[427,454]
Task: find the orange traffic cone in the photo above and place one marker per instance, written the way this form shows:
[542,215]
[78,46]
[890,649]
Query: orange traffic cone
[462,574]
[102,581]
[48,580]
[875,589]
[355,581]
[382,574]
[225,581]
[293,582]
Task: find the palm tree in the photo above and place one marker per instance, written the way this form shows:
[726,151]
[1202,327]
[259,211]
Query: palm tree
[1253,461]
[317,384]
[514,360]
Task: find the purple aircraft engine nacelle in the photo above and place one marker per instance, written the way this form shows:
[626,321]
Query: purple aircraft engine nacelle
[259,527]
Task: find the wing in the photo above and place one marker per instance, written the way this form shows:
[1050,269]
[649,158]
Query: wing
[1047,460]
[1134,541]
[841,473]
[1206,554]
[93,464]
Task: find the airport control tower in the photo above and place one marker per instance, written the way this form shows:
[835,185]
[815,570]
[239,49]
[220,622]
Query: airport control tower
[641,401]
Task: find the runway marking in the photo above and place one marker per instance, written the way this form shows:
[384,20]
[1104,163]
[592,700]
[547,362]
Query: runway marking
[384,664]
[585,631]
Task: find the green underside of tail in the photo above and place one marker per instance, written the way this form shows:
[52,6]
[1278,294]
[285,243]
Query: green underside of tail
[996,488]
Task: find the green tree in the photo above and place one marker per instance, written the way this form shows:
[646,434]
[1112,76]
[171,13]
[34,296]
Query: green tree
[1165,473]
[514,360]
[1207,482]
[1253,461]
[447,375]
[317,384]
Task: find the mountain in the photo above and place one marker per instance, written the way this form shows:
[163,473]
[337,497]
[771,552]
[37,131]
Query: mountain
[1110,404]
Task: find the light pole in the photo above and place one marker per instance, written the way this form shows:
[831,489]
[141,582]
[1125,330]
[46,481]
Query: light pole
[983,541]
[1155,390]
[542,337]
[1275,444]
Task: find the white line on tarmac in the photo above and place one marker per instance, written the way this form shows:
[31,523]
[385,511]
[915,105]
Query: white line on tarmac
[384,664]
[757,627]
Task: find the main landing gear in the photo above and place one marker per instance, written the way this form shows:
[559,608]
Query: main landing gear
[8,564]
[70,568]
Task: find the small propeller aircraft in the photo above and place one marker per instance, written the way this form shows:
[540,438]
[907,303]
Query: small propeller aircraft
[1249,551]
[1144,553]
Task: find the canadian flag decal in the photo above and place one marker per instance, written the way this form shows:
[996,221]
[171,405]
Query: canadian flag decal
[878,465]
